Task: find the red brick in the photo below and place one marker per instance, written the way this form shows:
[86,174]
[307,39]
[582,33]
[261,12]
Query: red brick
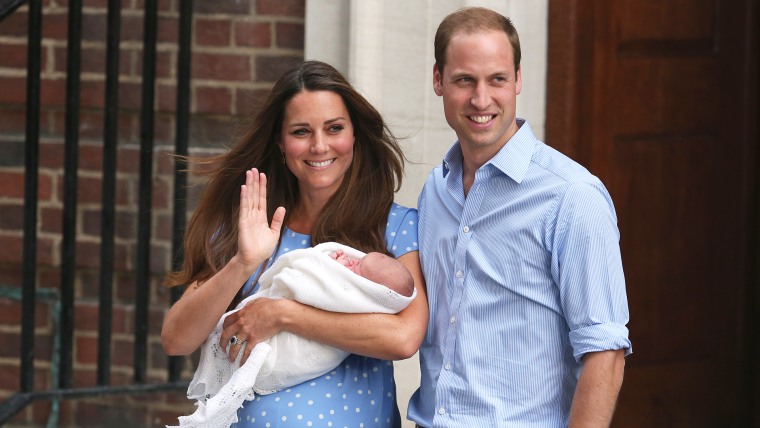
[53,91]
[11,217]
[270,68]
[10,377]
[51,155]
[125,290]
[94,26]
[86,351]
[10,313]
[90,191]
[83,378]
[295,8]
[212,32]
[92,93]
[224,67]
[92,60]
[13,55]
[230,7]
[120,317]
[91,125]
[130,95]
[50,220]
[55,25]
[247,101]
[12,120]
[128,159]
[163,128]
[86,317]
[15,25]
[213,100]
[125,224]
[14,90]
[167,97]
[88,255]
[11,249]
[91,157]
[132,27]
[164,64]
[253,34]
[168,30]
[165,163]
[160,260]
[12,184]
[123,353]
[164,225]
[10,344]
[290,36]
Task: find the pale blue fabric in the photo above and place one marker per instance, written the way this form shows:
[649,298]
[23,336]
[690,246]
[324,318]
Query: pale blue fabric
[360,392]
[524,276]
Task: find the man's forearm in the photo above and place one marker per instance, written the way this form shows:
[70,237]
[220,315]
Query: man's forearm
[598,388]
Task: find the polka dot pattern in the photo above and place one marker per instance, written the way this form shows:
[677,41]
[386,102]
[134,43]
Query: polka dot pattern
[360,392]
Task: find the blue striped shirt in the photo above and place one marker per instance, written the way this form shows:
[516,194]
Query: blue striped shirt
[524,276]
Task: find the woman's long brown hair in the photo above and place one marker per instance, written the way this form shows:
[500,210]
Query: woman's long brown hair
[355,215]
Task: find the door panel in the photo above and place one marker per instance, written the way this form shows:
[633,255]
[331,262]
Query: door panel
[654,98]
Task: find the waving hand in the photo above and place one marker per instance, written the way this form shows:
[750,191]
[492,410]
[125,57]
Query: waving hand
[256,238]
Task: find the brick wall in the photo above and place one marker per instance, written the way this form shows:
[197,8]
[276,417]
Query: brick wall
[239,48]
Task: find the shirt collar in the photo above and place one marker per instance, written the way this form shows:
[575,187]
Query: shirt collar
[513,159]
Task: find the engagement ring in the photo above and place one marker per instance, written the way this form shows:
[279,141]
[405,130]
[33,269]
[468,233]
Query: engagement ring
[234,340]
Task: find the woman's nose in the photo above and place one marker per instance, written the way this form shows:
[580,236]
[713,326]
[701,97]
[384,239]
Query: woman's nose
[319,143]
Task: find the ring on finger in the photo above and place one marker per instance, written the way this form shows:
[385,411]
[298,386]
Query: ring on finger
[234,340]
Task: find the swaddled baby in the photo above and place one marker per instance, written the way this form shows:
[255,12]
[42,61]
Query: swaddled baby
[331,277]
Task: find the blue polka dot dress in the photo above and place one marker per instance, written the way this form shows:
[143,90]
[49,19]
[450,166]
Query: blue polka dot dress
[360,392]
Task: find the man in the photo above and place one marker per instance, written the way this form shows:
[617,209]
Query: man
[519,247]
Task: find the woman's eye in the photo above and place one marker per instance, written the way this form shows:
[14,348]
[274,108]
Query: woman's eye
[300,132]
[336,128]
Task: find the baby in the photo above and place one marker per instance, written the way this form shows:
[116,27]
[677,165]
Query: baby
[373,282]
[379,268]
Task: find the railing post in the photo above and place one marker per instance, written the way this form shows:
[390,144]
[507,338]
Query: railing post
[181,145]
[31,183]
[71,155]
[142,285]
[110,139]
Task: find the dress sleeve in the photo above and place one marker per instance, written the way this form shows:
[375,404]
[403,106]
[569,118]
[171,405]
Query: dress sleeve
[401,231]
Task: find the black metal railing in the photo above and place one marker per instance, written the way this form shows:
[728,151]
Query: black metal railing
[61,361]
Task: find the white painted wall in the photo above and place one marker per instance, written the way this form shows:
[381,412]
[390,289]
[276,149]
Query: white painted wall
[385,48]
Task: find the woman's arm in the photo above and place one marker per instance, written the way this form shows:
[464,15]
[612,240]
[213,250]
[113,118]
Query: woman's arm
[193,317]
[384,336]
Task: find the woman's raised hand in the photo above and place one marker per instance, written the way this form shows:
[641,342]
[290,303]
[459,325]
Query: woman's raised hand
[256,238]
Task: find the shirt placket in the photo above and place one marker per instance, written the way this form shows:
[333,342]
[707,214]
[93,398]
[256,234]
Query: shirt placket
[459,273]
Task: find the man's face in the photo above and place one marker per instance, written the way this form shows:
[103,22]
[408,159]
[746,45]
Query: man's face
[479,87]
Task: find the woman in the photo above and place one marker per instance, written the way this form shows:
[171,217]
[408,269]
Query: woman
[327,171]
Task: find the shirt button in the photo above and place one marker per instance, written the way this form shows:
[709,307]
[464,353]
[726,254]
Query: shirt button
[441,410]
[459,274]
[447,366]
[453,320]
[466,229]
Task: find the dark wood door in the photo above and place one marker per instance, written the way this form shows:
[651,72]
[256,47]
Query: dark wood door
[658,99]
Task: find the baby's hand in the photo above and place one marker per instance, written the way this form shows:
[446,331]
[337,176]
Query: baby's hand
[336,254]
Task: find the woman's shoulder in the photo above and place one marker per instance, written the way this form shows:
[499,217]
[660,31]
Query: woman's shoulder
[401,231]
[400,212]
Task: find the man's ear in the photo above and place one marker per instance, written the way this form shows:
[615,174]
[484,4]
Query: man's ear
[518,81]
[437,81]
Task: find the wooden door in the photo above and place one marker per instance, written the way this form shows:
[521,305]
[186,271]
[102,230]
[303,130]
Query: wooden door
[658,99]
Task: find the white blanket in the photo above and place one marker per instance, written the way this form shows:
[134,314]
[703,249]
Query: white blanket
[308,276]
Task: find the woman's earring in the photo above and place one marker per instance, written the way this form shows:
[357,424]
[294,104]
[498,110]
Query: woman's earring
[282,156]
